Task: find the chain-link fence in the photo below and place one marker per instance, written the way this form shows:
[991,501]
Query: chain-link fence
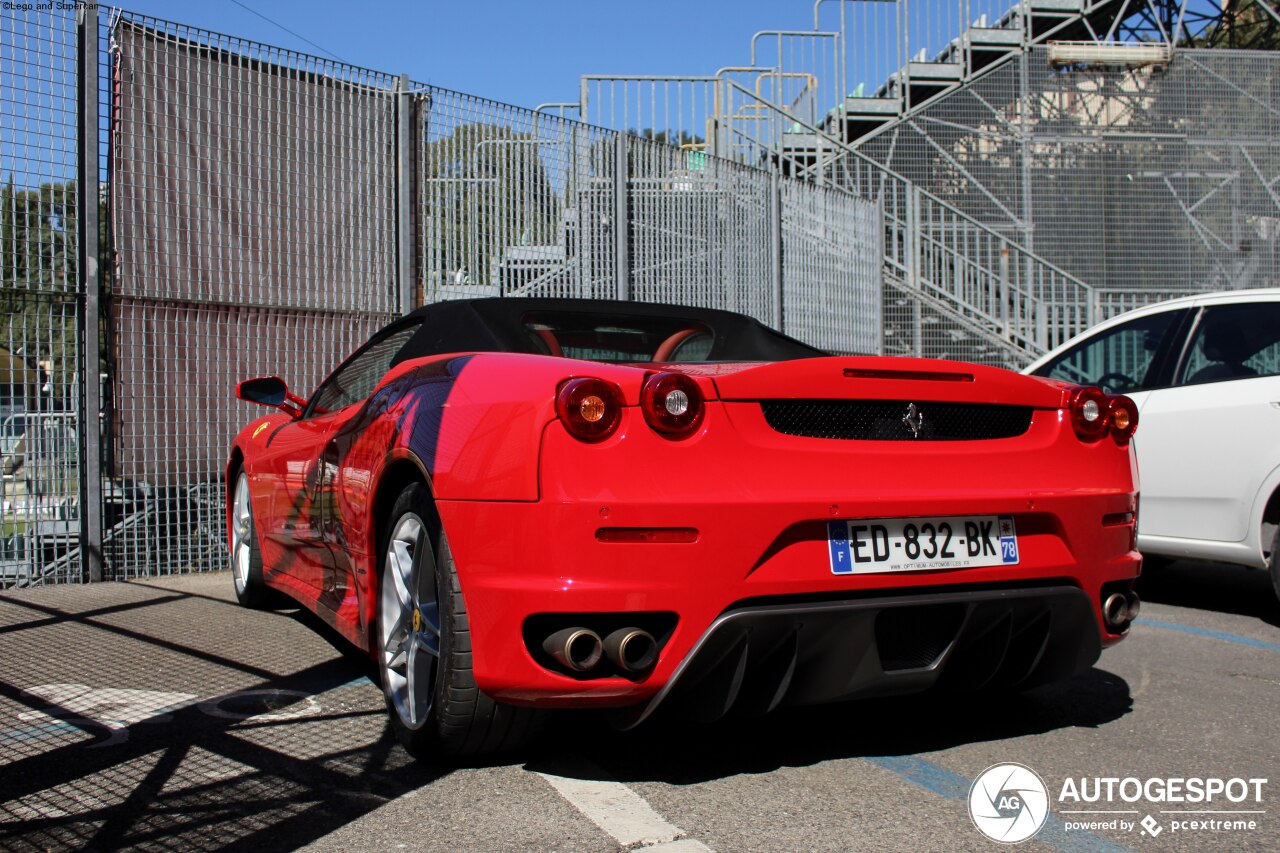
[259,211]
[253,219]
[1142,182]
[514,202]
[41,298]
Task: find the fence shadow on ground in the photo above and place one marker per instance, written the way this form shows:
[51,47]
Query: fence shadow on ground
[277,742]
[263,766]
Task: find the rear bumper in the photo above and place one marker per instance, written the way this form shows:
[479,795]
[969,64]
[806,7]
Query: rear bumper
[760,508]
[757,658]
[518,563]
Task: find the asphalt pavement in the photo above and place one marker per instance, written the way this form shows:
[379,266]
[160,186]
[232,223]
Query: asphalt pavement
[158,715]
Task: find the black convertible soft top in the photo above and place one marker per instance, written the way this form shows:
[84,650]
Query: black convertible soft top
[512,325]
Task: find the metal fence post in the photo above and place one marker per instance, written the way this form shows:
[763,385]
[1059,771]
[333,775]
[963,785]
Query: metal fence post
[621,219]
[1004,289]
[404,196]
[913,259]
[775,245]
[90,421]
[880,259]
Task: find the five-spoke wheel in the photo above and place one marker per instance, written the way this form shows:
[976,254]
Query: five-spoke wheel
[409,620]
[246,559]
[424,643]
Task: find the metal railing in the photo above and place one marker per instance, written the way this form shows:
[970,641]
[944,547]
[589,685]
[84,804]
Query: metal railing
[1000,289]
[40,476]
[1136,180]
[524,203]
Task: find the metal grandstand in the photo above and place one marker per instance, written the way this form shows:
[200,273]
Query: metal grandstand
[1041,164]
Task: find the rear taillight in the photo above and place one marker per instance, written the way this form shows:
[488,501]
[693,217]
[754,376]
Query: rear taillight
[590,409]
[1089,413]
[1095,414]
[1122,415]
[672,404]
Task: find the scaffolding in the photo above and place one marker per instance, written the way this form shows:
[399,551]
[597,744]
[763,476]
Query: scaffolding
[1121,150]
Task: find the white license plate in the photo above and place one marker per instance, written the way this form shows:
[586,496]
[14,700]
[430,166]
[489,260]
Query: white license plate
[865,545]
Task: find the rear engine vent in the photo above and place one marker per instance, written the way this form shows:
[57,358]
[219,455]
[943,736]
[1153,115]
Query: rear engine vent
[915,637]
[894,420]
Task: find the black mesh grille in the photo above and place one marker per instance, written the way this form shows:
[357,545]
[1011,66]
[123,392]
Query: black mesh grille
[887,420]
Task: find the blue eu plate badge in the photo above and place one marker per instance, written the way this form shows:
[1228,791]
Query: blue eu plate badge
[932,543]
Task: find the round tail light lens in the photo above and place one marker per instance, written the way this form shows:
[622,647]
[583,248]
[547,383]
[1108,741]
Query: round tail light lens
[1089,409]
[672,403]
[590,409]
[1122,414]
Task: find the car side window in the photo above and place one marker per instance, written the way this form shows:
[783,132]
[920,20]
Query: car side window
[355,380]
[1119,359]
[1234,342]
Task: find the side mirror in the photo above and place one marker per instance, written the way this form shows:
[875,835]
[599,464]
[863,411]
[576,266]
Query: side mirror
[270,391]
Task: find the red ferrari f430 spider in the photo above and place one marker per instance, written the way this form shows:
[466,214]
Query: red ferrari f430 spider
[515,504]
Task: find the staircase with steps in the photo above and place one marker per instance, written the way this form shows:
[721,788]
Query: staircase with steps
[981,46]
[1011,303]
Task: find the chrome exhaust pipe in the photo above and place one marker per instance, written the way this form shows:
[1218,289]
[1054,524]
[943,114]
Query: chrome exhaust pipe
[1115,610]
[1134,606]
[631,649]
[577,649]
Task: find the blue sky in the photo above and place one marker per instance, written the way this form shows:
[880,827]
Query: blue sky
[516,51]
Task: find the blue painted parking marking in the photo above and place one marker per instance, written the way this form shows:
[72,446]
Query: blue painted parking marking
[1205,632]
[953,786]
[41,731]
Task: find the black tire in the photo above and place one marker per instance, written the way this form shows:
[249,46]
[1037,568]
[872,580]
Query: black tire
[460,721]
[246,556]
[1273,562]
[1154,564]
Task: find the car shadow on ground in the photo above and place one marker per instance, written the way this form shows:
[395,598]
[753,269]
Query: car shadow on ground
[1218,587]
[680,753]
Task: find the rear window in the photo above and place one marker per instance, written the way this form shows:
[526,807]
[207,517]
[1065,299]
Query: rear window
[630,338]
[1118,360]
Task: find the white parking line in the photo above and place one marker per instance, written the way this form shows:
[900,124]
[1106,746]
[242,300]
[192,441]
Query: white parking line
[623,814]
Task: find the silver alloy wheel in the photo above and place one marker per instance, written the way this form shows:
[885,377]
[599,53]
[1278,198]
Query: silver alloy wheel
[241,533]
[409,621]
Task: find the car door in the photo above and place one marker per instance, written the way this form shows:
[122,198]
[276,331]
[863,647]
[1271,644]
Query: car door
[301,465]
[1206,442]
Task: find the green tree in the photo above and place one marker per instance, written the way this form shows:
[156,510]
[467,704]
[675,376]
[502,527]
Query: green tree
[38,283]
[683,139]
[488,200]
[1243,24]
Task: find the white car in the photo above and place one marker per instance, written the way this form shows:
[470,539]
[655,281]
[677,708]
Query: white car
[1205,373]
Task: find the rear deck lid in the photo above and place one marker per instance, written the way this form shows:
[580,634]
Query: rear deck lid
[886,378]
